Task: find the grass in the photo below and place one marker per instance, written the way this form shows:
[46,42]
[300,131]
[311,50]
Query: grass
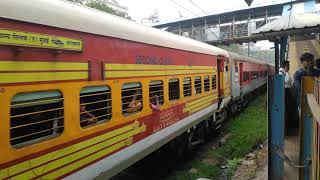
[246,130]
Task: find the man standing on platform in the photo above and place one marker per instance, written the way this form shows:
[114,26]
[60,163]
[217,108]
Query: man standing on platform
[284,70]
[307,69]
[289,108]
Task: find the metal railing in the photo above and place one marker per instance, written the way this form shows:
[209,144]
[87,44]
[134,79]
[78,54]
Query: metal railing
[310,128]
[222,32]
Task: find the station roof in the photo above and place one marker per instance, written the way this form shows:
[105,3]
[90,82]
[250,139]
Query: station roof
[291,22]
[290,25]
[227,17]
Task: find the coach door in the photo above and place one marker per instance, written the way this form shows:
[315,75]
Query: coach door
[220,64]
[241,74]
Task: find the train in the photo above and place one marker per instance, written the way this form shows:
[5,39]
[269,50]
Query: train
[78,87]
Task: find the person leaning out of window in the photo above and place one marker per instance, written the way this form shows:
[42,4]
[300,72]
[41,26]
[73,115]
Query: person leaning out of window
[155,103]
[135,104]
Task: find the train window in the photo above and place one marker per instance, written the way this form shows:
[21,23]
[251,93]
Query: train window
[206,84]
[198,84]
[95,105]
[174,89]
[131,98]
[156,89]
[227,69]
[236,69]
[35,117]
[214,82]
[187,87]
[246,76]
[254,74]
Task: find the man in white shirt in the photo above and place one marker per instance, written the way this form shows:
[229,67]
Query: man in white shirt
[284,70]
[289,101]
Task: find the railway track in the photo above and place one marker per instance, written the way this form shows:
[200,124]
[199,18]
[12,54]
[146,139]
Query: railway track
[162,163]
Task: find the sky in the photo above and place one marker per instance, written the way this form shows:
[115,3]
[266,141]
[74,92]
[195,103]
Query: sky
[169,10]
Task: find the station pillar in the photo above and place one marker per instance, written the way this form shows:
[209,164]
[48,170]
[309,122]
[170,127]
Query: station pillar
[283,48]
[276,56]
[275,126]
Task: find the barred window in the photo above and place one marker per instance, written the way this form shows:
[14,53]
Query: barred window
[246,76]
[174,89]
[206,84]
[187,87]
[131,98]
[254,74]
[95,105]
[156,89]
[198,84]
[214,82]
[35,117]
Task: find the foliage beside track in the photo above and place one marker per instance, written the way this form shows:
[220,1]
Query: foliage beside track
[246,130]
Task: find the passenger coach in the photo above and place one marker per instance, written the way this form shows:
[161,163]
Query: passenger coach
[77,88]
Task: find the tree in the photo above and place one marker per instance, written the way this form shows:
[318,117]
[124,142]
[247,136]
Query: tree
[102,6]
[265,55]
[77,1]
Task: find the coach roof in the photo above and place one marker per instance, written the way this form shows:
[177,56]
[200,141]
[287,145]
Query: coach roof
[63,14]
[245,58]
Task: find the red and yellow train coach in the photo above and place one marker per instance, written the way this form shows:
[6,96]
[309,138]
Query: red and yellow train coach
[78,87]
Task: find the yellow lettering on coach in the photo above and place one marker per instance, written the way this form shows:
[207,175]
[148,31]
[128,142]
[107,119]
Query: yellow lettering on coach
[28,39]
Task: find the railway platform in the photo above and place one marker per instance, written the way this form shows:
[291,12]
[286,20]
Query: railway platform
[296,156]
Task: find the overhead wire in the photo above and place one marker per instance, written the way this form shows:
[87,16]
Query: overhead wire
[204,13]
[198,7]
[184,8]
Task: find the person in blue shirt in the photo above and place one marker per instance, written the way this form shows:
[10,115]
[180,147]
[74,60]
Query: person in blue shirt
[318,63]
[307,69]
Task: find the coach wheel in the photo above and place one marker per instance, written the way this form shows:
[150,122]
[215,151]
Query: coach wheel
[182,145]
[189,139]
